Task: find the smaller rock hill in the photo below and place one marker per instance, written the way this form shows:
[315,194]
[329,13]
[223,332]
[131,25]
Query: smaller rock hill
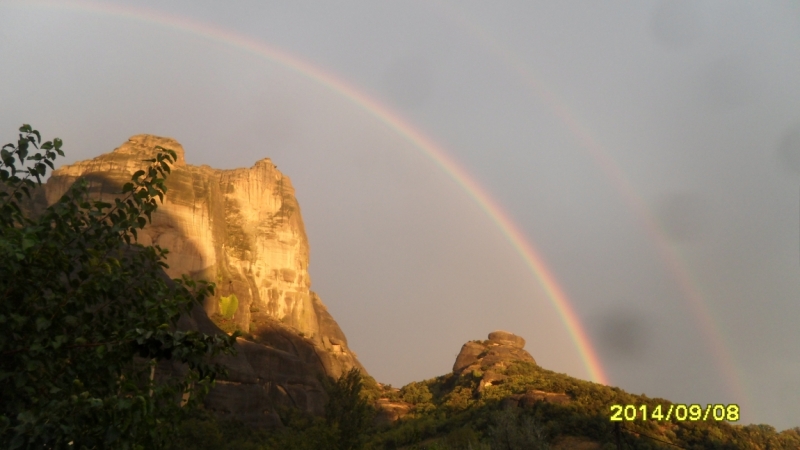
[487,359]
[498,397]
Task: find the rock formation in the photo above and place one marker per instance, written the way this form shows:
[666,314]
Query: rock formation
[241,229]
[500,350]
[391,411]
[485,358]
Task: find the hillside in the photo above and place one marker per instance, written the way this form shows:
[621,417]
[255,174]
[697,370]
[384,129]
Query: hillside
[497,397]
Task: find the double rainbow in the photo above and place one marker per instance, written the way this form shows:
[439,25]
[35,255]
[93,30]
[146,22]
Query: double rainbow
[454,170]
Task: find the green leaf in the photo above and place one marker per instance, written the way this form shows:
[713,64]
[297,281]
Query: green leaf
[228,306]
[42,323]
[27,243]
[17,442]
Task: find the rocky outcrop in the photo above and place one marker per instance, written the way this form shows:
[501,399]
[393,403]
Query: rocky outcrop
[532,397]
[241,229]
[391,411]
[486,359]
[502,349]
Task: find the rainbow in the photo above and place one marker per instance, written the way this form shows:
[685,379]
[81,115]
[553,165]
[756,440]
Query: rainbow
[670,256]
[433,151]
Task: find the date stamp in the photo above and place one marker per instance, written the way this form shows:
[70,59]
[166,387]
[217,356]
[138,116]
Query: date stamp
[678,411]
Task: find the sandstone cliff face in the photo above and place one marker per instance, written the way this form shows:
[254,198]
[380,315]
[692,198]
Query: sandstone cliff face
[241,229]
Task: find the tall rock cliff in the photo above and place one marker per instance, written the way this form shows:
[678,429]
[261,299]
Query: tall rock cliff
[241,229]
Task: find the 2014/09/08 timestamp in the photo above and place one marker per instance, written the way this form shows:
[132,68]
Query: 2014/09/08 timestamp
[679,412]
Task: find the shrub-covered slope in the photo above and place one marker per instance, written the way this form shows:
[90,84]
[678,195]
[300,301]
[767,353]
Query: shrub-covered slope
[497,397]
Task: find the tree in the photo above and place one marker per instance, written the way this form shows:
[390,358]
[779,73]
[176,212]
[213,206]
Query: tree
[87,313]
[347,413]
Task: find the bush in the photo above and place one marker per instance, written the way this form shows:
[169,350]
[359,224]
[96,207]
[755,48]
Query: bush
[87,313]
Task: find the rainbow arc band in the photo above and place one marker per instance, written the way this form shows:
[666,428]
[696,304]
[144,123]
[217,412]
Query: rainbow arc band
[438,155]
[671,257]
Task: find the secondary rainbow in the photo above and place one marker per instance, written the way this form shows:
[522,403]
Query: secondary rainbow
[526,250]
[688,286]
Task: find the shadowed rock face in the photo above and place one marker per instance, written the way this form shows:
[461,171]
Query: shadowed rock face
[241,229]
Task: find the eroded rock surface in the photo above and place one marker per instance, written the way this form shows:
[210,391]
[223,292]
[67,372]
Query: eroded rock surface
[390,412]
[487,359]
[502,349]
[241,229]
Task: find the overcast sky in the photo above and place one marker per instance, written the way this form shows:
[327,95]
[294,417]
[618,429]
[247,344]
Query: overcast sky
[650,152]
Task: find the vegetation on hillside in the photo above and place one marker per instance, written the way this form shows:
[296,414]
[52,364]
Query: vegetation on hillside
[447,414]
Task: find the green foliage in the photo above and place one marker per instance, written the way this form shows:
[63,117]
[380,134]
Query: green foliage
[523,368]
[203,431]
[370,390]
[416,393]
[513,430]
[87,313]
[347,412]
[345,426]
[456,406]
[228,306]
[459,398]
[463,438]
[484,424]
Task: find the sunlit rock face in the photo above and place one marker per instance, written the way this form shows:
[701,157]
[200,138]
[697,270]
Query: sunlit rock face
[241,229]
[501,350]
[486,359]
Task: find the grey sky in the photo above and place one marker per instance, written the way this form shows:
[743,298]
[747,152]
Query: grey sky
[649,150]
